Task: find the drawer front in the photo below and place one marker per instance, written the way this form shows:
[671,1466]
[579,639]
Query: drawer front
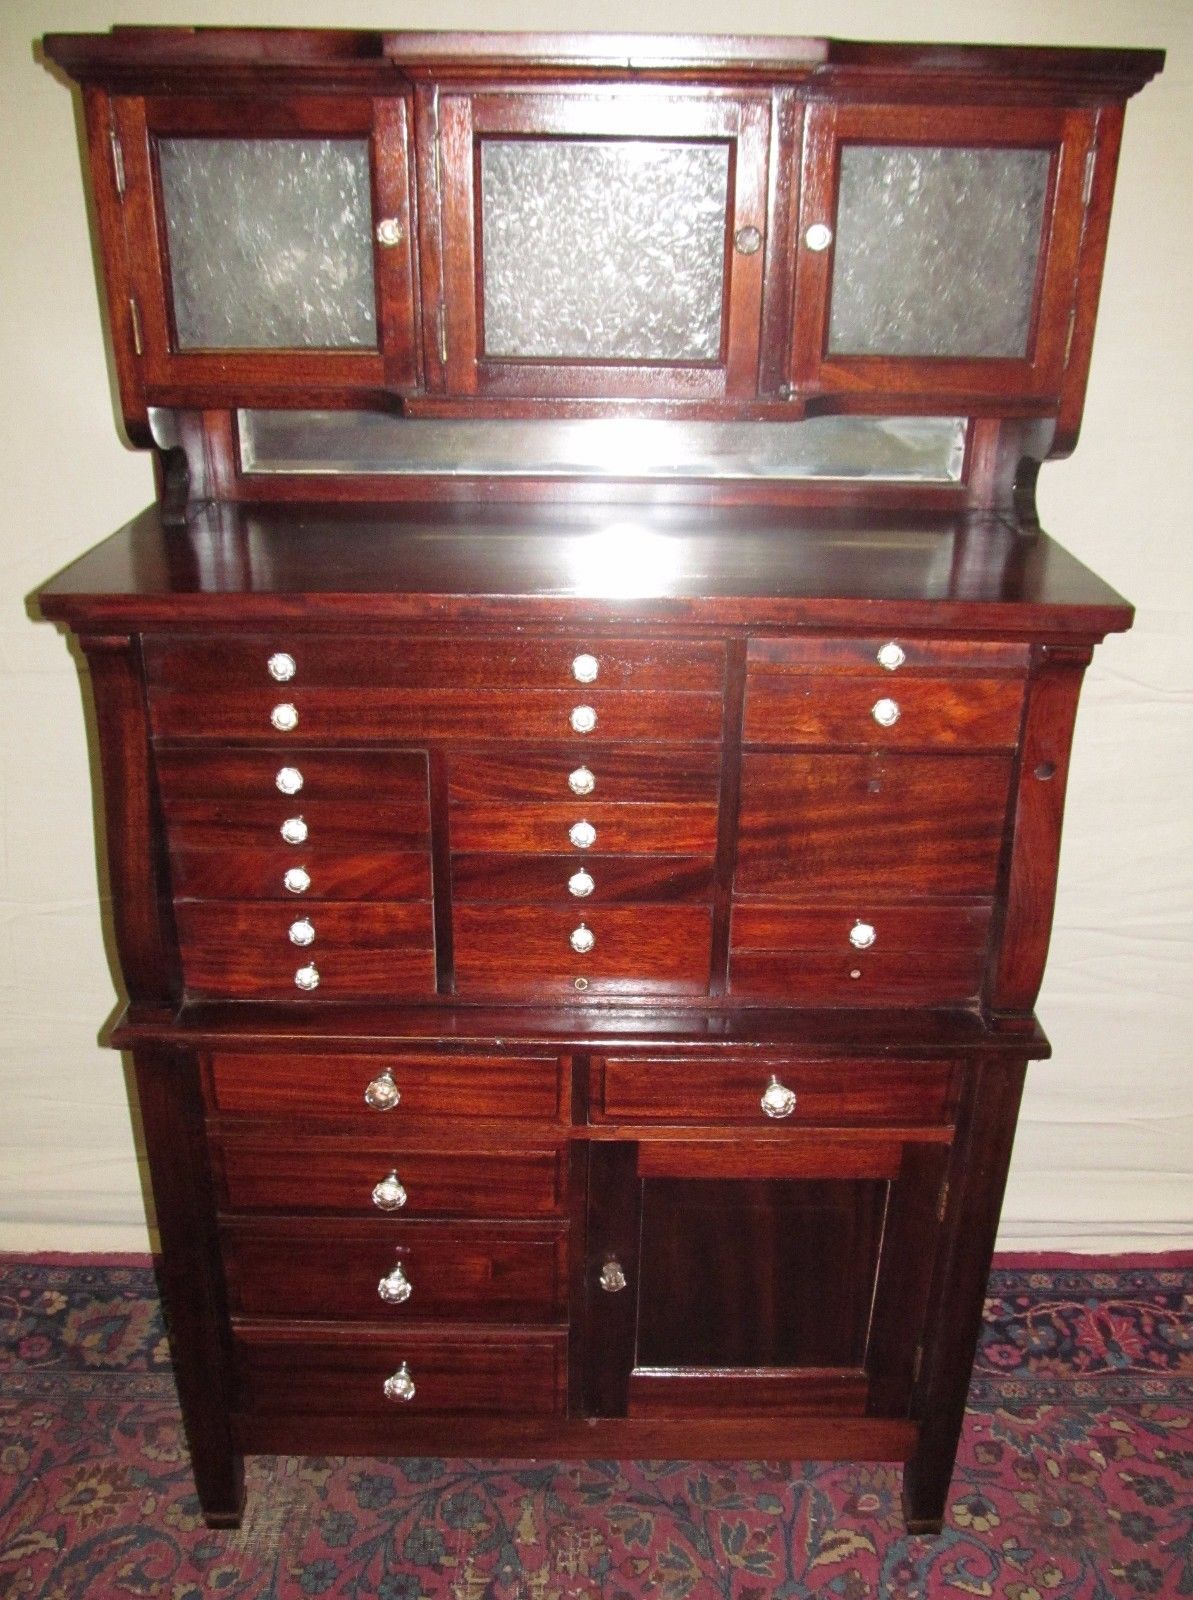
[371,777]
[268,1174]
[838,1093]
[879,977]
[478,1272]
[862,930]
[660,949]
[629,830]
[602,878]
[404,661]
[259,873]
[326,825]
[871,825]
[832,709]
[451,1369]
[872,655]
[439,1086]
[626,776]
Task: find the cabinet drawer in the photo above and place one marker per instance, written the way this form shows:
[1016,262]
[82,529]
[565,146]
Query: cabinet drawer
[439,1086]
[267,1173]
[878,977]
[629,830]
[401,660]
[452,1368]
[478,1272]
[622,775]
[259,873]
[511,877]
[293,775]
[862,930]
[321,824]
[637,949]
[863,655]
[839,1093]
[835,709]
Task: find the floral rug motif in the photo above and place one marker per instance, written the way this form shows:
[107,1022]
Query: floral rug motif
[1074,1479]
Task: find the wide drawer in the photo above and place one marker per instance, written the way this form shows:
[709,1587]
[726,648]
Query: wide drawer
[474,1271]
[436,1086]
[426,663]
[597,878]
[837,1093]
[605,773]
[293,775]
[268,1172]
[325,1369]
[836,709]
[259,872]
[627,829]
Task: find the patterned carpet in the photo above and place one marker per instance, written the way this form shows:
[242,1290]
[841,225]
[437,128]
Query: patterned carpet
[1075,1479]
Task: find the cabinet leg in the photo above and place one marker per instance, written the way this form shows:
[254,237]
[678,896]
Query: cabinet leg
[220,1485]
[926,1491]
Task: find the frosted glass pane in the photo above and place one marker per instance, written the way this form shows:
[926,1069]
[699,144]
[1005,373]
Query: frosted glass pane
[936,250]
[270,242]
[604,250]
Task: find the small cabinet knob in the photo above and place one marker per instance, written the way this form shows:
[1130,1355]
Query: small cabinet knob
[777,1100]
[302,932]
[281,667]
[289,780]
[383,1093]
[307,977]
[399,1385]
[294,830]
[389,1194]
[297,880]
[581,884]
[395,1289]
[582,940]
[891,656]
[583,719]
[747,241]
[390,232]
[582,835]
[818,237]
[585,669]
[284,717]
[885,712]
[612,1279]
[862,935]
[581,781]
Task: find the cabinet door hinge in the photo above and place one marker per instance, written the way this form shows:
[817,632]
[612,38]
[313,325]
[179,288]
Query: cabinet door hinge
[117,150]
[1087,187]
[942,1203]
[134,317]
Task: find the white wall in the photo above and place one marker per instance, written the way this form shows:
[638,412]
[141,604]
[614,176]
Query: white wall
[1103,1155]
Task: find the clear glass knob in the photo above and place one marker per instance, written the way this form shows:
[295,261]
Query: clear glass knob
[777,1100]
[389,1194]
[297,880]
[307,977]
[581,884]
[289,780]
[281,667]
[862,935]
[818,237]
[612,1279]
[582,940]
[294,830]
[583,719]
[582,835]
[390,232]
[395,1288]
[581,781]
[302,932]
[284,717]
[399,1386]
[891,656]
[585,669]
[383,1093]
[886,712]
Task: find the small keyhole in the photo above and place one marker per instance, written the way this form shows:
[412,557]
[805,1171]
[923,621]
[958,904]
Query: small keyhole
[1046,770]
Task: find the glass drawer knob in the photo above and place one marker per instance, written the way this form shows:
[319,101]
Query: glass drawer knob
[383,1093]
[281,667]
[891,656]
[395,1288]
[294,830]
[399,1385]
[583,719]
[581,884]
[585,669]
[886,713]
[307,977]
[582,940]
[581,781]
[612,1279]
[862,935]
[582,835]
[777,1100]
[747,241]
[390,232]
[284,717]
[389,1194]
[302,932]
[289,780]
[297,880]
[818,237]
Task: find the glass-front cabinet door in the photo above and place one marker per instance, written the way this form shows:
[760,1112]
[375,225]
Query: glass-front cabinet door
[595,246]
[936,249]
[273,249]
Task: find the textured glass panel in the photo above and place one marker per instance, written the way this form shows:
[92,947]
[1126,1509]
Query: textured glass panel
[270,242]
[886,449]
[936,250]
[604,250]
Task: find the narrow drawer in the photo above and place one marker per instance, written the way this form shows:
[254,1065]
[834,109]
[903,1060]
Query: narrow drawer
[412,662]
[259,872]
[885,656]
[829,709]
[473,1271]
[581,879]
[311,824]
[343,1370]
[563,774]
[871,825]
[641,949]
[663,829]
[270,1173]
[879,977]
[838,1093]
[294,775]
[431,1085]
[860,930]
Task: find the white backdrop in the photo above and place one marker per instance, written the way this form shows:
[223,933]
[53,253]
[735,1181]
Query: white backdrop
[1103,1155]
